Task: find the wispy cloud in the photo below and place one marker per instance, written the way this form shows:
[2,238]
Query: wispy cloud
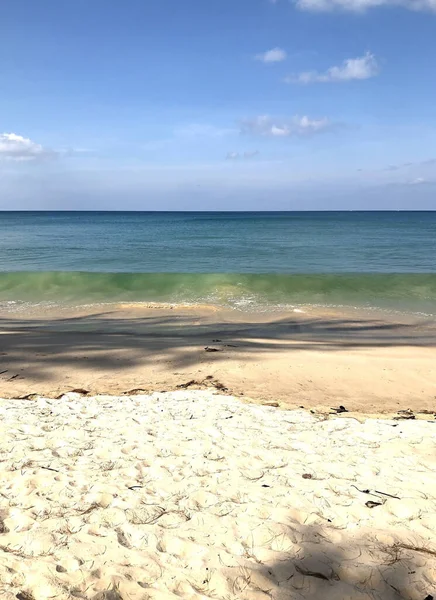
[272,56]
[267,126]
[431,162]
[242,155]
[18,148]
[428,163]
[360,68]
[363,5]
[404,173]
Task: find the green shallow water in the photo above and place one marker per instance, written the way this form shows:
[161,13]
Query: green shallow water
[411,292]
[248,260]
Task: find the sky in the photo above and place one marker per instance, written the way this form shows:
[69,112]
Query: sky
[217,104]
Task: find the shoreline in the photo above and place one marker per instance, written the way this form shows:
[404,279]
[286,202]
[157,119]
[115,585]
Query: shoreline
[372,363]
[15,307]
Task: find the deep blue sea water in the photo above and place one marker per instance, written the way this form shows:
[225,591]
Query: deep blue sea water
[371,259]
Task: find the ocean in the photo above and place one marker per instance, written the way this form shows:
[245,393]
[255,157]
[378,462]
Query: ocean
[249,261]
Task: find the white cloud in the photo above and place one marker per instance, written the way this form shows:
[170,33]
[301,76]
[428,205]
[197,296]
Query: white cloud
[272,56]
[280,128]
[360,68]
[363,5]
[417,181]
[244,155]
[18,148]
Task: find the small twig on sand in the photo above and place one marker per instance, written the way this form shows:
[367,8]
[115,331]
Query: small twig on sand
[389,495]
[375,492]
[50,469]
[337,411]
[90,508]
[361,491]
[416,549]
[208,381]
[184,386]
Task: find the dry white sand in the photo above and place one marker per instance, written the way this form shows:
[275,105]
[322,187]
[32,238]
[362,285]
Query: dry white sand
[192,495]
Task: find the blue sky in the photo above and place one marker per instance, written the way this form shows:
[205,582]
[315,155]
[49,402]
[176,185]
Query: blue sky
[218,104]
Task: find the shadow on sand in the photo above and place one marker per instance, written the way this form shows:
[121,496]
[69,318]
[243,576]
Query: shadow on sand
[105,341]
[350,569]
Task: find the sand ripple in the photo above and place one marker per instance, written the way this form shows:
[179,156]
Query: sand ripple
[192,495]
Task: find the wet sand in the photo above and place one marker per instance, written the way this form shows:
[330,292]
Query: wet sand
[368,362]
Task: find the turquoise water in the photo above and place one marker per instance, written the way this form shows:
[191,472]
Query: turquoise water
[368,259]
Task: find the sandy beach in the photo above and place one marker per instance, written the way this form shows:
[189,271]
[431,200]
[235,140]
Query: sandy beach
[204,454]
[371,363]
[195,495]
